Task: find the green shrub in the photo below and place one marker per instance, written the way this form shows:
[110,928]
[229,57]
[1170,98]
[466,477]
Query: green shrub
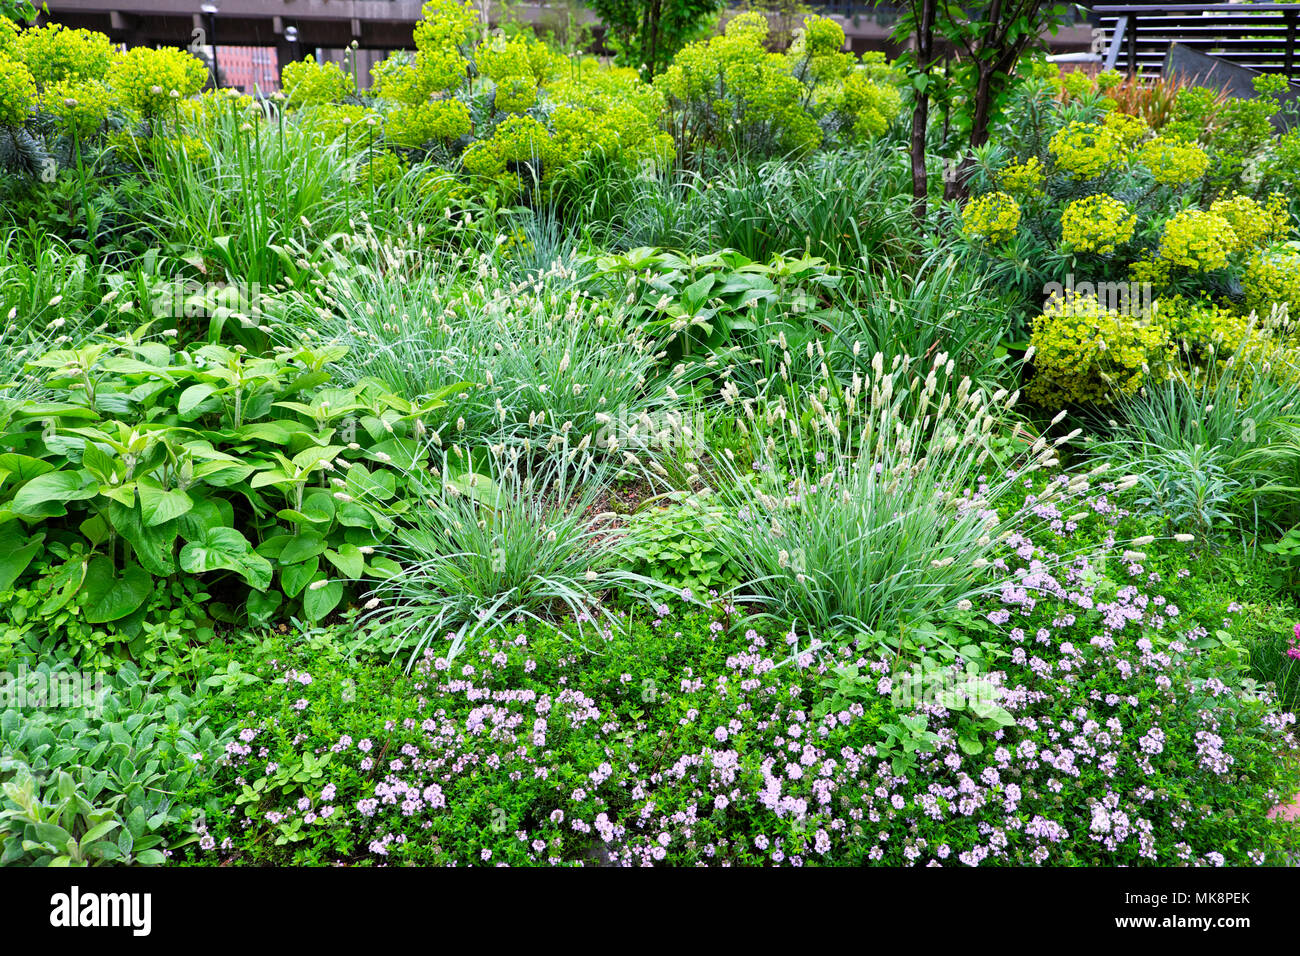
[705,738]
[1085,352]
[150,81]
[730,93]
[677,545]
[308,83]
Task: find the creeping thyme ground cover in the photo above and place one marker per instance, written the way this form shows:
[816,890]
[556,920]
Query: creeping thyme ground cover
[515,457]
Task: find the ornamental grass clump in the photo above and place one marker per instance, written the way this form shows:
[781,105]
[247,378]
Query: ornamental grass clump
[493,549]
[543,362]
[1201,441]
[874,504]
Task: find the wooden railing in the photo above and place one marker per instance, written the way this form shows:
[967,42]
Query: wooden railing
[1262,36]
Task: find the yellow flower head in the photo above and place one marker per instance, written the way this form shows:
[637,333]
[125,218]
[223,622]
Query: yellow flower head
[1077,83]
[1085,352]
[1022,179]
[1198,240]
[17,92]
[1173,161]
[80,105]
[1255,225]
[1086,150]
[1131,130]
[993,217]
[1096,224]
[144,78]
[1272,278]
[308,83]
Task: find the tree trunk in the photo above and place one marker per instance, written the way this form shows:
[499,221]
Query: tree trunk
[955,188]
[921,110]
[652,41]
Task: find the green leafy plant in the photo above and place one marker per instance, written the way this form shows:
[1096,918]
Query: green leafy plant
[676,545]
[97,783]
[144,456]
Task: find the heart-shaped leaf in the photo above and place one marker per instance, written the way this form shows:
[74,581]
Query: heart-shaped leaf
[226,548]
[348,559]
[321,597]
[105,596]
[159,504]
[295,577]
[16,552]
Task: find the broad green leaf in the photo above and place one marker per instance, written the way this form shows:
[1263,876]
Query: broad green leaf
[16,552]
[381,567]
[271,476]
[295,577]
[207,513]
[45,495]
[197,400]
[222,474]
[153,546]
[105,596]
[22,468]
[311,457]
[63,584]
[399,452]
[226,549]
[53,410]
[348,559]
[277,433]
[321,597]
[319,507]
[304,545]
[98,462]
[97,831]
[479,488]
[262,604]
[159,504]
